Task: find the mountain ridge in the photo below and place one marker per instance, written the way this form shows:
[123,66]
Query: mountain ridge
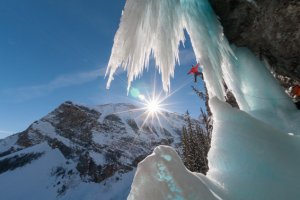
[90,149]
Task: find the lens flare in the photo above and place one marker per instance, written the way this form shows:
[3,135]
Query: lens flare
[142,97]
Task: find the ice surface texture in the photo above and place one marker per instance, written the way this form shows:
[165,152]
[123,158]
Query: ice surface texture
[253,156]
[162,175]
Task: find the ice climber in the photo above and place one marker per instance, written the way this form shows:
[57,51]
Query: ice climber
[295,92]
[195,70]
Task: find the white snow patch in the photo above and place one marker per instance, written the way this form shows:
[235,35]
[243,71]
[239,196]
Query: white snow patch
[8,142]
[97,157]
[47,129]
[19,183]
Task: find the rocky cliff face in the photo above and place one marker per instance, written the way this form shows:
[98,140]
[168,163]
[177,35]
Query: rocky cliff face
[77,151]
[268,28]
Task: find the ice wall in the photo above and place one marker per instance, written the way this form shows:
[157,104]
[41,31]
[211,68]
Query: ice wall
[258,93]
[254,153]
[156,26]
[252,159]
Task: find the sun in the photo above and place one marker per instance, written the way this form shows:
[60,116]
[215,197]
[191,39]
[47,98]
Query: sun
[153,109]
[153,106]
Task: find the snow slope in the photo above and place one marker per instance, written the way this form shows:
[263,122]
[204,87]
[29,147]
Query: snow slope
[81,152]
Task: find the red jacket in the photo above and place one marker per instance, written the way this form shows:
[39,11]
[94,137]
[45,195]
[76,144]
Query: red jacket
[296,91]
[194,69]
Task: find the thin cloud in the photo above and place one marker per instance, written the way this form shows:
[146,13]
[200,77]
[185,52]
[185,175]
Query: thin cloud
[30,92]
[4,134]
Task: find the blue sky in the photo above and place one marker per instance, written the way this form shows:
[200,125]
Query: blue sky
[52,51]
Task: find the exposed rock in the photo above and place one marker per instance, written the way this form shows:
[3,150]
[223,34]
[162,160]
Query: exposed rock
[76,122]
[16,161]
[9,151]
[65,150]
[87,168]
[230,98]
[133,125]
[268,28]
[24,140]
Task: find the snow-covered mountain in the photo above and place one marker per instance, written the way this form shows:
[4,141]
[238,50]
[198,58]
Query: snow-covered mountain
[80,152]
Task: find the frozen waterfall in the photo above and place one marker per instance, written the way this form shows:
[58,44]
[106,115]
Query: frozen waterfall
[255,150]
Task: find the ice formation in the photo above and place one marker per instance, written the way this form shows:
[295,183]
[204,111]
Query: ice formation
[165,166]
[253,153]
[157,27]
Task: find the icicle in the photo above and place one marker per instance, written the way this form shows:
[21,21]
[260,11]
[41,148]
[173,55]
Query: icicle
[141,34]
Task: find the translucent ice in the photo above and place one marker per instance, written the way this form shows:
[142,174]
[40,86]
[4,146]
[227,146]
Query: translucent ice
[253,154]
